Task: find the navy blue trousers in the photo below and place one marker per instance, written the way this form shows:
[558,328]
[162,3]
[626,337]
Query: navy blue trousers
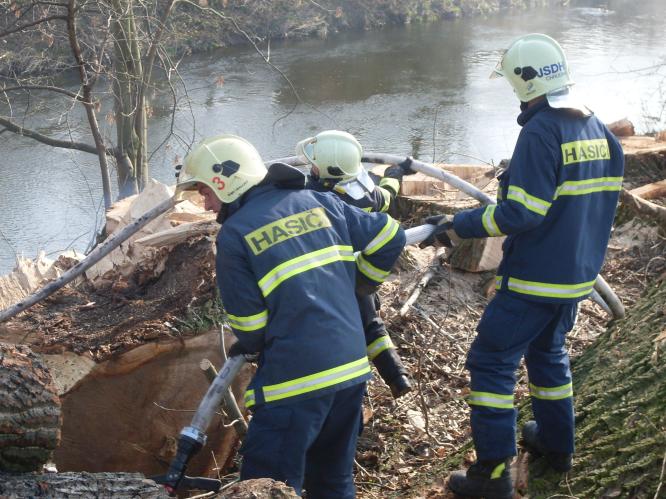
[509,329]
[309,443]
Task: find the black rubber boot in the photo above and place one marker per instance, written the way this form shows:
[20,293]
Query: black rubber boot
[393,372]
[489,479]
[559,461]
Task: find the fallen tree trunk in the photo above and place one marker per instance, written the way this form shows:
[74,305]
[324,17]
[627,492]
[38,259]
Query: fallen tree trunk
[30,416]
[620,385]
[643,208]
[84,485]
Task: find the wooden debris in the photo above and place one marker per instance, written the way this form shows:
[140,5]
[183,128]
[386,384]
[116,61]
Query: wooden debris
[229,402]
[622,128]
[423,282]
[95,256]
[30,417]
[643,207]
[180,233]
[650,191]
[262,488]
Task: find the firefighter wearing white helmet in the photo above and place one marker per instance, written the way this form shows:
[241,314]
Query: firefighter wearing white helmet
[335,154]
[228,165]
[556,205]
[536,65]
[287,273]
[335,160]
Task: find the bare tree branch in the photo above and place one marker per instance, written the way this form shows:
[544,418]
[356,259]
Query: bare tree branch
[31,24]
[50,141]
[50,88]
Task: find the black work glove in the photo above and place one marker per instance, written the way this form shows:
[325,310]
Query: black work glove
[397,170]
[238,349]
[440,237]
[364,286]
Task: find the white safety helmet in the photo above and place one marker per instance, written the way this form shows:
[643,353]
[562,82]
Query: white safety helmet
[228,164]
[337,155]
[536,65]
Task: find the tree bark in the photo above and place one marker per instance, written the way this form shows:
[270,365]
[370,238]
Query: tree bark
[620,384]
[82,485]
[87,83]
[30,418]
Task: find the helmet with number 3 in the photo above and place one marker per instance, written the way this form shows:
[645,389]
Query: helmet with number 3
[228,164]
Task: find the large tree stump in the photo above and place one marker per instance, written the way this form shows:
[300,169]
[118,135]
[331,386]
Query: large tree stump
[478,255]
[30,416]
[119,485]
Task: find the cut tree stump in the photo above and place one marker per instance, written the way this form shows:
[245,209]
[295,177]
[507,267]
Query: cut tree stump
[477,255]
[126,413]
[645,160]
[622,128]
[30,416]
[84,485]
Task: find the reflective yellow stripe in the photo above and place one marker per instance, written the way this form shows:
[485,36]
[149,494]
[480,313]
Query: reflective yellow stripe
[487,399]
[250,322]
[497,472]
[370,271]
[378,346]
[385,235]
[317,381]
[488,220]
[585,150]
[498,281]
[554,393]
[304,263]
[550,290]
[249,398]
[388,183]
[386,197]
[530,202]
[582,187]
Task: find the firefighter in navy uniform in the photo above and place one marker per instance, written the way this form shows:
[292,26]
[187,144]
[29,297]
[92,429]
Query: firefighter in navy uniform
[287,272]
[556,204]
[335,159]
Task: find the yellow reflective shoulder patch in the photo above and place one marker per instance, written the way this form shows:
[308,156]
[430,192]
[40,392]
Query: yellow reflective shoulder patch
[295,225]
[585,150]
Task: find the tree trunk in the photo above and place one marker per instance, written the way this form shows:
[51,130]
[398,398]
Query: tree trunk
[79,485]
[620,385]
[30,417]
[125,102]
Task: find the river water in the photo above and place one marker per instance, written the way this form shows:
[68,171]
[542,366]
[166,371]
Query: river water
[420,89]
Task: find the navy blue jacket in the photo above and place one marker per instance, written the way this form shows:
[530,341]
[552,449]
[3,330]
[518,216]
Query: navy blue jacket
[286,270]
[556,203]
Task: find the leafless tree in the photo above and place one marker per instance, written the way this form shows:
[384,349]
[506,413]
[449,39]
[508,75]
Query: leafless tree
[112,46]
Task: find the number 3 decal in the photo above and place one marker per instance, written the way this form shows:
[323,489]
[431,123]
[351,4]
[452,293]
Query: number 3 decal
[219,182]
